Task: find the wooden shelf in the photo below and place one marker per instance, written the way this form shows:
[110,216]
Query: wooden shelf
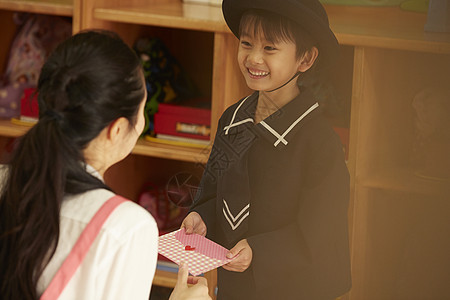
[165,279]
[172,15]
[48,7]
[12,130]
[385,27]
[197,155]
[405,180]
[146,148]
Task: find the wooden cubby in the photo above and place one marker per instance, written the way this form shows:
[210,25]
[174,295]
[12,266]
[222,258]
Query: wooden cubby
[398,219]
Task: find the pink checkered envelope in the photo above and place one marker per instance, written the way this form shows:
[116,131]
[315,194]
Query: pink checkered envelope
[197,252]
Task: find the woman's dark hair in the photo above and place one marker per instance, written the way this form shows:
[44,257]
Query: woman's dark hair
[276,28]
[89,81]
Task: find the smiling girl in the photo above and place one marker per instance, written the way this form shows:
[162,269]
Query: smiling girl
[276,188]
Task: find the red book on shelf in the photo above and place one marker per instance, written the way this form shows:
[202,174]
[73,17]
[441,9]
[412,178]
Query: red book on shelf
[29,108]
[183,121]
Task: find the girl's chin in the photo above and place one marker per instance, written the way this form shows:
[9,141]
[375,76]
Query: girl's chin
[256,84]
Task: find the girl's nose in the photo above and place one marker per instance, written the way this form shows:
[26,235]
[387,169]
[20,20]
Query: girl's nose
[255,57]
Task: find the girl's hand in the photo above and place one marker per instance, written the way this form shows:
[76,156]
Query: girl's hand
[198,290]
[193,223]
[244,258]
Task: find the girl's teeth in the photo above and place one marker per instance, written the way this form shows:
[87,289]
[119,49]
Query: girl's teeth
[258,73]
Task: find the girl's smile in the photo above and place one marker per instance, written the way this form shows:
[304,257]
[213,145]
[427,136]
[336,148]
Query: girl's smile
[257,74]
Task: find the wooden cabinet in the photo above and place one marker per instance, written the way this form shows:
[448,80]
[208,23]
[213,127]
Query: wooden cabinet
[399,213]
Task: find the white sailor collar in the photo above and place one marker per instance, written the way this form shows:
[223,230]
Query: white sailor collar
[279,126]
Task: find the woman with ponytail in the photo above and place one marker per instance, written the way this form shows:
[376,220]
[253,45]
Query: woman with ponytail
[91,95]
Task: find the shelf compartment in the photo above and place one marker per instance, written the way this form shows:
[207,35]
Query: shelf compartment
[172,14]
[389,82]
[401,250]
[48,7]
[385,27]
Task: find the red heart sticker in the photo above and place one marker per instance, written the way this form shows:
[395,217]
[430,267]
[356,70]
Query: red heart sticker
[189,248]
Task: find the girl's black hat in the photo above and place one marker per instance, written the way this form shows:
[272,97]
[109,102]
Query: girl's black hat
[308,14]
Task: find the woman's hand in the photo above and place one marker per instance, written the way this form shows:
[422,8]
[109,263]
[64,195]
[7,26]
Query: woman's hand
[198,290]
[193,223]
[244,254]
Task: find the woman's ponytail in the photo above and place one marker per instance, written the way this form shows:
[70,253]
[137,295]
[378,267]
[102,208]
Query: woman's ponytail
[36,177]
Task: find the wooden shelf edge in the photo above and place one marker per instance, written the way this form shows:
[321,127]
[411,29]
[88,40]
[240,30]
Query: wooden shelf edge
[146,148]
[385,27]
[9,129]
[173,15]
[393,43]
[58,8]
[404,180]
[165,279]
[401,31]
[196,155]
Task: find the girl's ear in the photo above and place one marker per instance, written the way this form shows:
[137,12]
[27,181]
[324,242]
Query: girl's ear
[116,129]
[308,59]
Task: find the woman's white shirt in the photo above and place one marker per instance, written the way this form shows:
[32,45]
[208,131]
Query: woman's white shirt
[122,260]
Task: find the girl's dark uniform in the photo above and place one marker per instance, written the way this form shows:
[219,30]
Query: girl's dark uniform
[291,172]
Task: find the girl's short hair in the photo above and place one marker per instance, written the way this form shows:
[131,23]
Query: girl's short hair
[275,28]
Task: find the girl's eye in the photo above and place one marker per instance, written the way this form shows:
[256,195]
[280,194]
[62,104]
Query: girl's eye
[270,48]
[245,44]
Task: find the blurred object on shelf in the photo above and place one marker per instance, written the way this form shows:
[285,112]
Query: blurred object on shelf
[155,199]
[9,99]
[166,265]
[29,108]
[36,38]
[166,80]
[438,18]
[432,133]
[184,121]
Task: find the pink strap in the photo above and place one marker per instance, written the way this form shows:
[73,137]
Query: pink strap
[80,249]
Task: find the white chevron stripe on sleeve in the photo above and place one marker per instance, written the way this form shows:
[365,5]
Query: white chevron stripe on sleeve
[240,217]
